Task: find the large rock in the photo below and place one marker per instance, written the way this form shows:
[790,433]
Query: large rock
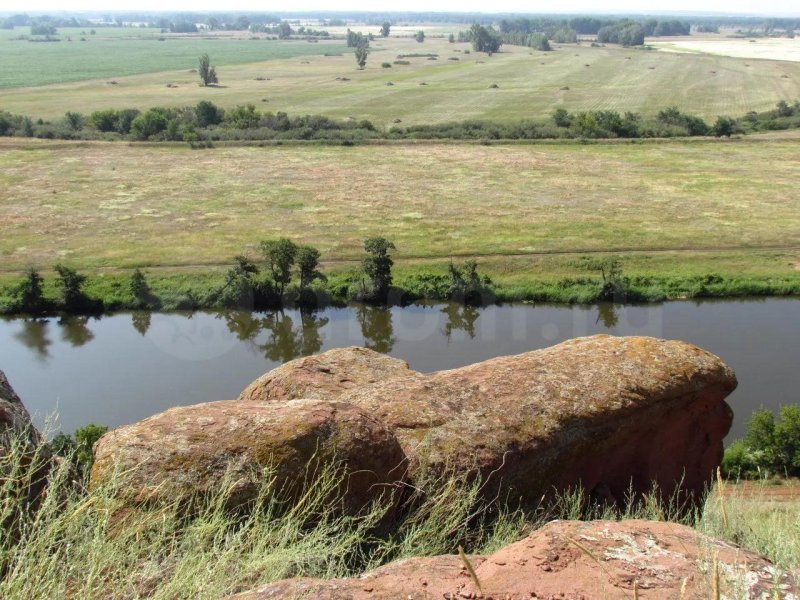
[604,412]
[601,560]
[187,450]
[15,422]
[325,376]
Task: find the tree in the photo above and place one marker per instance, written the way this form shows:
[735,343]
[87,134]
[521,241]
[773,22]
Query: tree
[562,118]
[385,29]
[361,56]
[29,295]
[207,113]
[280,256]
[451,38]
[378,266]
[724,126]
[484,39]
[208,74]
[284,30]
[420,36]
[71,283]
[307,266]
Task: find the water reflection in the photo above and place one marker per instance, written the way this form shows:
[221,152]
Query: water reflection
[285,341]
[75,330]
[607,315]
[460,318]
[376,327]
[34,336]
[141,321]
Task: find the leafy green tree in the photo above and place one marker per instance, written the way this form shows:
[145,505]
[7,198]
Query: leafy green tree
[385,28]
[280,256]
[484,39]
[74,121]
[466,285]
[140,290]
[561,118]
[451,38]
[308,266]
[207,113]
[420,36]
[71,283]
[378,266]
[361,53]
[240,286]
[150,123]
[724,126]
[208,74]
[29,295]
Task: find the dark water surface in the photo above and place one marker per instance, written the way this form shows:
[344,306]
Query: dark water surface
[121,368]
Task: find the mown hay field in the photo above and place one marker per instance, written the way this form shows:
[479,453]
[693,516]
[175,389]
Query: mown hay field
[457,84]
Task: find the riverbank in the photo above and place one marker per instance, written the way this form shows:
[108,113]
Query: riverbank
[568,279]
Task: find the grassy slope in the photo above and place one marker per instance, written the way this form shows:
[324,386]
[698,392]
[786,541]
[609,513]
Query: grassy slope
[117,205]
[530,83]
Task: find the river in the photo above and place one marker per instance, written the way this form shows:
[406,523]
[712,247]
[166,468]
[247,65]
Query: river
[120,368]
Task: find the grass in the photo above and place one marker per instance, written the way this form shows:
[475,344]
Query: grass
[530,84]
[83,544]
[133,52]
[704,206]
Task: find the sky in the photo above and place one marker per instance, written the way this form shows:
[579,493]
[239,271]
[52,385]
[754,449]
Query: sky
[759,7]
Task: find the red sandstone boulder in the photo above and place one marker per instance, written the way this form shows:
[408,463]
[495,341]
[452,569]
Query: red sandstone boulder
[187,450]
[325,376]
[604,412]
[598,560]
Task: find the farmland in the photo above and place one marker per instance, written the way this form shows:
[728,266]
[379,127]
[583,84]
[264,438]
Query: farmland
[705,206]
[114,53]
[298,78]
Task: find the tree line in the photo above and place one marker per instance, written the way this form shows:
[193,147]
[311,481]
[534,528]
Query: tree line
[284,273]
[206,123]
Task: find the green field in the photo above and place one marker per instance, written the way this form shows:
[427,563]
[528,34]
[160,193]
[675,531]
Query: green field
[116,52]
[530,84]
[706,206]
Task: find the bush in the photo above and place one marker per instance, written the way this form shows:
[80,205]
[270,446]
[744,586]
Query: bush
[769,447]
[386,65]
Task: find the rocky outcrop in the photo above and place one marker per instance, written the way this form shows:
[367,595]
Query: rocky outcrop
[325,376]
[17,432]
[185,451]
[606,412]
[603,560]
[15,422]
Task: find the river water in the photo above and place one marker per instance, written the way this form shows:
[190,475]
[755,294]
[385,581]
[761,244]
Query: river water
[120,368]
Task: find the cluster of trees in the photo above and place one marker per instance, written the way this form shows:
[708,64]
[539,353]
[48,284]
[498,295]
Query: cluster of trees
[586,124]
[202,122]
[23,20]
[662,27]
[625,33]
[483,39]
[269,283]
[356,39]
[771,447]
[207,122]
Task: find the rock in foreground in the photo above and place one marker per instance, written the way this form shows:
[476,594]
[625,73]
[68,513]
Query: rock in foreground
[325,376]
[602,560]
[605,412]
[185,451]
[15,421]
